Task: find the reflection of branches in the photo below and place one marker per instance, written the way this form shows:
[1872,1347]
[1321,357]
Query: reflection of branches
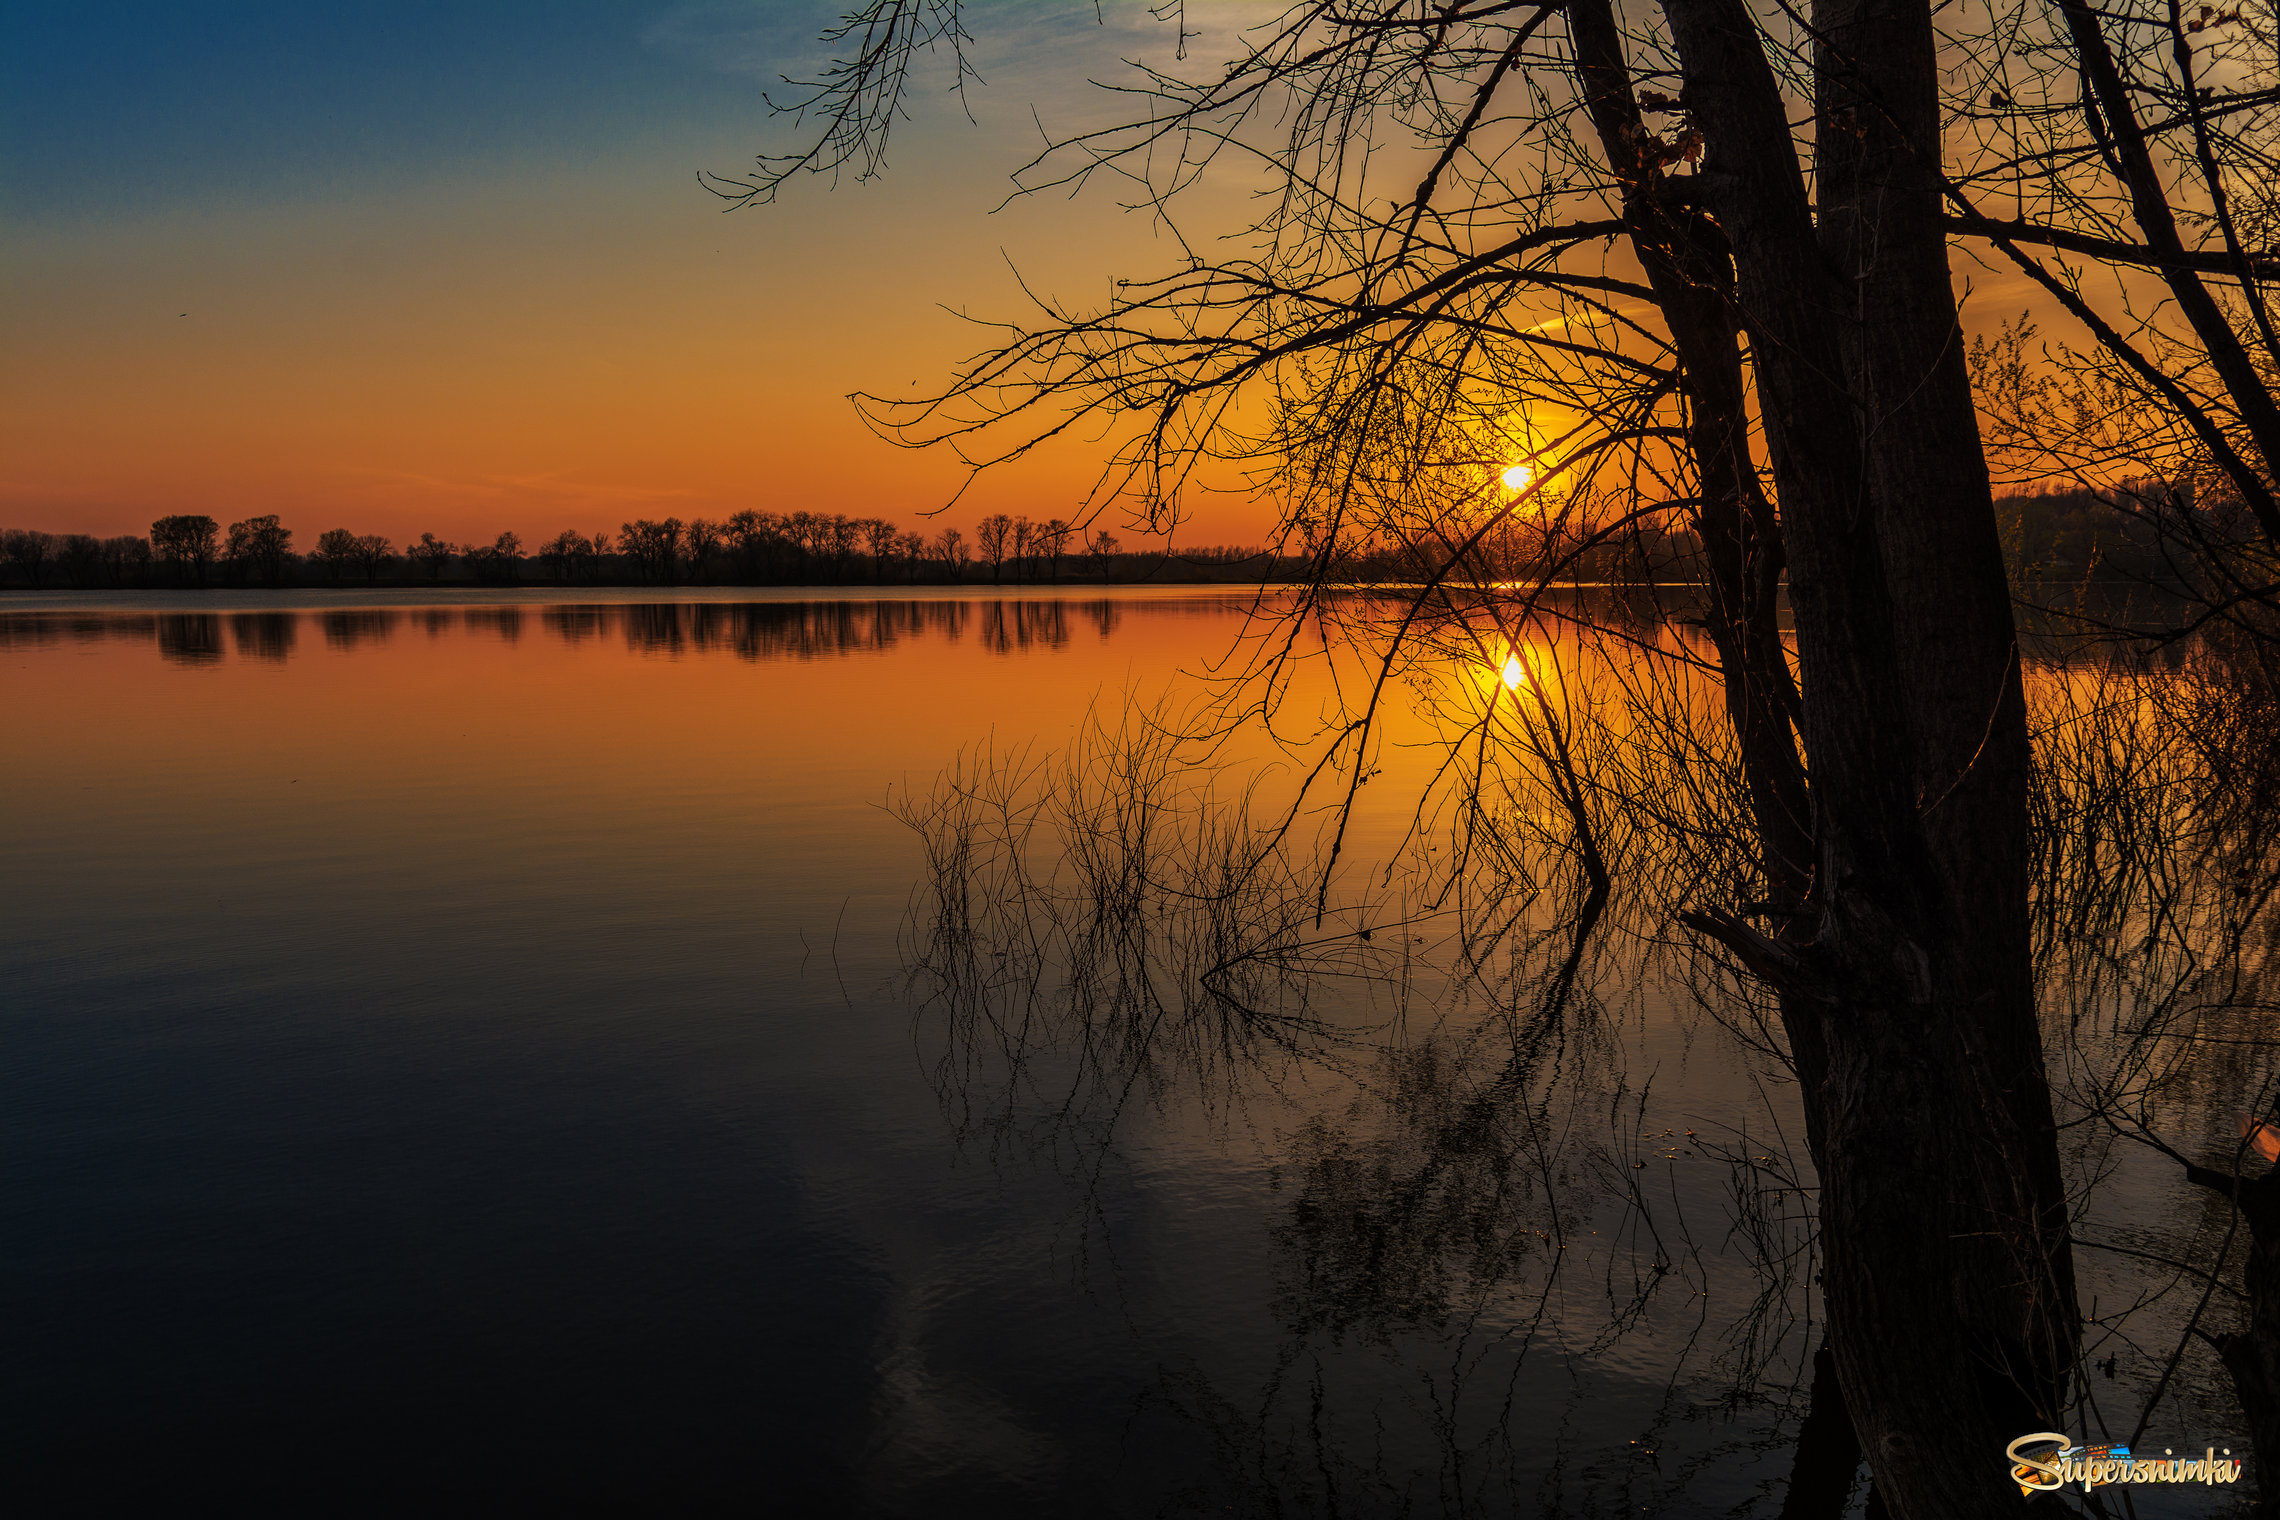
[1114,924]
[2156,875]
[1098,926]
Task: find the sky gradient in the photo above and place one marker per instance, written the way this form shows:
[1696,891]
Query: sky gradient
[416,267]
[420,267]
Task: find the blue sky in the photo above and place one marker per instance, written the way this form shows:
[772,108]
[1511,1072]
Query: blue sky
[110,105]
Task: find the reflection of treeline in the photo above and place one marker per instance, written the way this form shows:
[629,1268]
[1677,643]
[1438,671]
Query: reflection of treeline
[748,630]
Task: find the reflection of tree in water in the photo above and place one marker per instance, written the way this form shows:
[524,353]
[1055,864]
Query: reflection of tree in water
[812,630]
[750,631]
[504,623]
[34,630]
[1106,926]
[265,635]
[1008,626]
[190,638]
[574,622]
[1455,1146]
[346,628]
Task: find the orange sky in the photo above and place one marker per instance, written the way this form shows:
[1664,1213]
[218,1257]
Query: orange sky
[466,330]
[491,335]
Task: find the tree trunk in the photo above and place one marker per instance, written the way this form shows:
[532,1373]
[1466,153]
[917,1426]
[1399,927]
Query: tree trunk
[2252,1356]
[1948,1275]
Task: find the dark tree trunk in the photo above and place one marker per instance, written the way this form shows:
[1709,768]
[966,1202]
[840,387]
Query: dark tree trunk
[1948,1274]
[1691,272]
[2252,1356]
[1828,1453]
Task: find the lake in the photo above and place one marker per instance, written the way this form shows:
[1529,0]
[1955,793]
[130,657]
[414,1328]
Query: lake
[463,1054]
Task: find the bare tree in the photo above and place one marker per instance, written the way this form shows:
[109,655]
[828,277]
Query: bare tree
[654,547]
[499,562]
[127,559]
[336,551]
[1024,543]
[1431,279]
[27,551]
[702,543]
[995,535]
[260,546]
[432,555]
[372,551]
[840,535]
[1102,549]
[879,543]
[1052,541]
[80,557]
[186,543]
[912,548]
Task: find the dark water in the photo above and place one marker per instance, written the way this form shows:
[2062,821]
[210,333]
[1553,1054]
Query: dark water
[454,1060]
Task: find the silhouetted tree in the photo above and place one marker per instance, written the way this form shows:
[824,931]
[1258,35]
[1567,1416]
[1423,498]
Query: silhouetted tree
[879,543]
[1780,275]
[950,548]
[841,534]
[336,551]
[757,541]
[499,563]
[185,543]
[261,546]
[995,534]
[80,557]
[701,541]
[1103,551]
[912,548]
[654,547]
[372,551]
[127,559]
[1052,541]
[803,535]
[431,555]
[570,555]
[27,551]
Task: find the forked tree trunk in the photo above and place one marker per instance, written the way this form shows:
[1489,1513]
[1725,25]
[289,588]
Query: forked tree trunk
[1948,1272]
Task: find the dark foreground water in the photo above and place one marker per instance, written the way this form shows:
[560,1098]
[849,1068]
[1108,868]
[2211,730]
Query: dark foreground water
[453,1060]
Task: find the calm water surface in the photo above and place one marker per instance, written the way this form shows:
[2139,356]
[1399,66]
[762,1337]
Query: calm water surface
[455,1055]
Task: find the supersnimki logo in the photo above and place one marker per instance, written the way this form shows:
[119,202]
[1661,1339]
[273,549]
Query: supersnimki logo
[2048,1460]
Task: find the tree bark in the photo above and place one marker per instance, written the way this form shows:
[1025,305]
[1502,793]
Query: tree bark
[1948,1270]
[2252,1356]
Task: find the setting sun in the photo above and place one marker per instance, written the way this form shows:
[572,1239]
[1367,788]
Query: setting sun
[1514,671]
[1517,478]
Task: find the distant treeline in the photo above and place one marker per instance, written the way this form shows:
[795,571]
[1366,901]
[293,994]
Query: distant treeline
[2064,535]
[748,549]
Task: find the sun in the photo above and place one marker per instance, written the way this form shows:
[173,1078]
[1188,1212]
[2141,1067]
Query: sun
[1514,672]
[1517,478]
